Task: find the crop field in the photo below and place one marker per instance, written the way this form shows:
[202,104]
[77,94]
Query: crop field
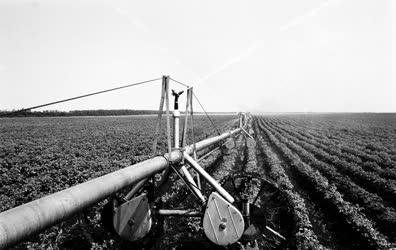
[339,172]
[336,175]
[39,156]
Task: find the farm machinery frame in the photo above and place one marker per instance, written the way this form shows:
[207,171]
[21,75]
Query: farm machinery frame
[223,220]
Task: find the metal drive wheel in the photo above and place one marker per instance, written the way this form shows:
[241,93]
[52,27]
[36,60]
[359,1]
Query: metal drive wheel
[144,193]
[266,212]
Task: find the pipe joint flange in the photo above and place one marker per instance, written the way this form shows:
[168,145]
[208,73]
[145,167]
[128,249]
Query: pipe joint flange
[175,157]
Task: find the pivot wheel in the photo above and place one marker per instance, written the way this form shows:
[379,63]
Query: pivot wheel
[266,213]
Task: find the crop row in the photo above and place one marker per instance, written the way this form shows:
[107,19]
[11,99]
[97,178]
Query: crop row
[329,193]
[381,158]
[232,154]
[335,150]
[318,142]
[251,161]
[305,236]
[385,188]
[372,204]
[369,162]
[366,145]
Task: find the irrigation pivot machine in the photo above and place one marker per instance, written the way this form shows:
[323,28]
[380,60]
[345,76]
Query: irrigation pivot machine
[229,214]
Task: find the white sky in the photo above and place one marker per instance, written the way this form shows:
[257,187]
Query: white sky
[268,56]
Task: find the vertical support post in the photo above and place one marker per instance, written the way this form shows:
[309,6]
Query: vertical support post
[165,97]
[184,171]
[176,132]
[167,113]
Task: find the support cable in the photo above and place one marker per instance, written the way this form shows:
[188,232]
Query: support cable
[190,99]
[185,85]
[206,113]
[81,96]
[191,92]
[186,115]
[158,126]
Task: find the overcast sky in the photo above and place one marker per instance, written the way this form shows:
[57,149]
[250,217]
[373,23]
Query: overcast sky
[269,56]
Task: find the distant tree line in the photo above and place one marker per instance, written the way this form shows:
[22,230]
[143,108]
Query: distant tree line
[96,112]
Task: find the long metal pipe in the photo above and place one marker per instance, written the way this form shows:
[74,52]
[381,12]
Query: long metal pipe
[191,183]
[33,217]
[210,141]
[209,178]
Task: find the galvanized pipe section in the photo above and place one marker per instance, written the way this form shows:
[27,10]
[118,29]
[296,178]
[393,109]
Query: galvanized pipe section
[190,182]
[33,217]
[210,141]
[209,178]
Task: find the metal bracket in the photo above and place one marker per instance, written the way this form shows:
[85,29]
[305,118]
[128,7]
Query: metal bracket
[246,133]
